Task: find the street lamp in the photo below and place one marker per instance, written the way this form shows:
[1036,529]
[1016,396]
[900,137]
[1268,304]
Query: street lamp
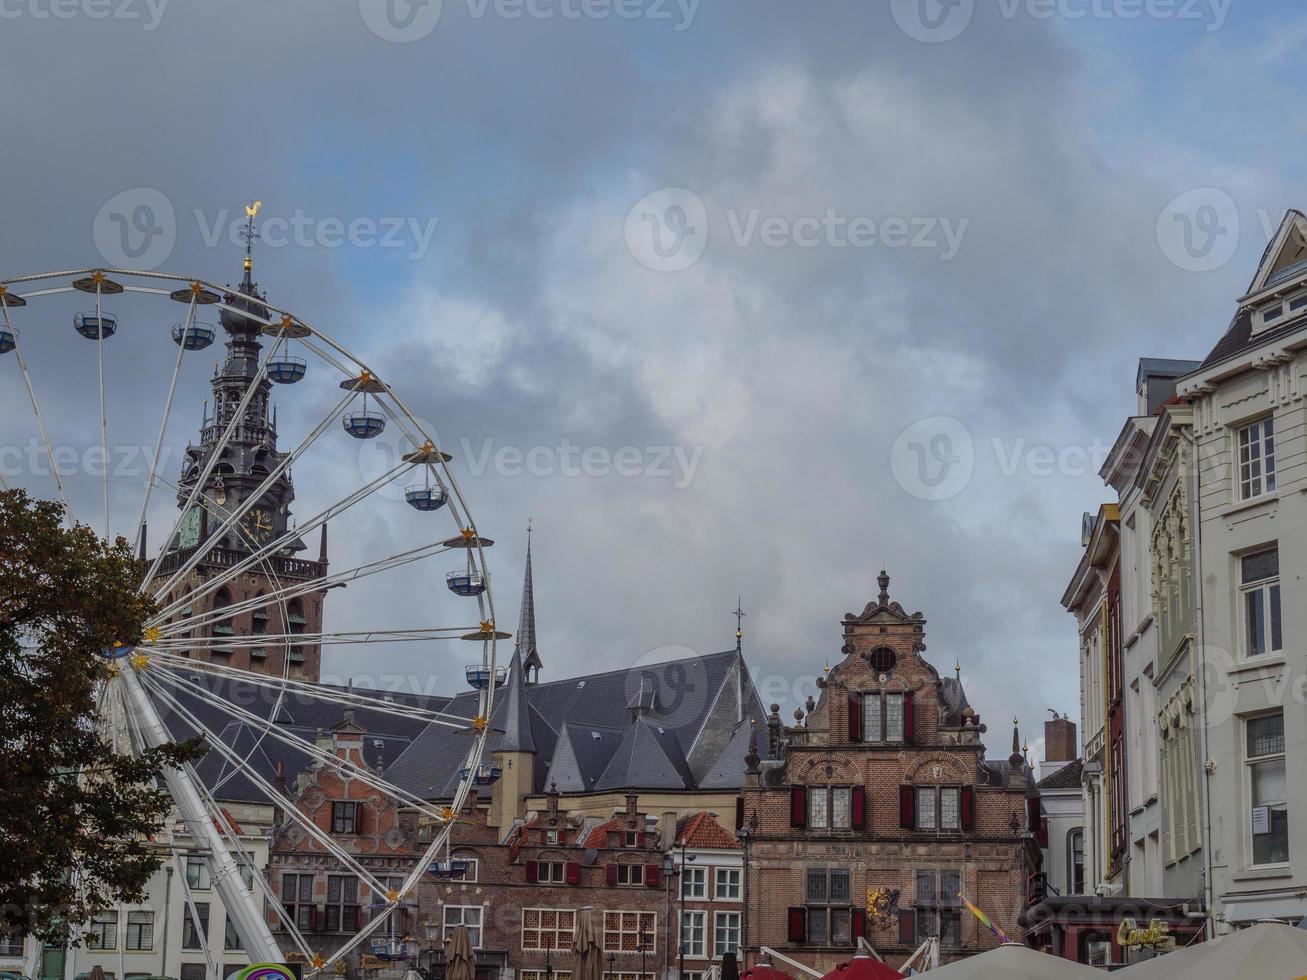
[612,966]
[549,965]
[644,945]
[436,948]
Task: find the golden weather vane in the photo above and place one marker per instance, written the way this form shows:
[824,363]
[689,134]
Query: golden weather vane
[249,232]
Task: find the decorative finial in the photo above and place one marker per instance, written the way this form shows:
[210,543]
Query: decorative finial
[249,233]
[739,615]
[1017,758]
[752,758]
[883,579]
[957,667]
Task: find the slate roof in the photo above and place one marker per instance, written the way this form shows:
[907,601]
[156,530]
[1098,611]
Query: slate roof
[695,735]
[1068,777]
[388,735]
[511,715]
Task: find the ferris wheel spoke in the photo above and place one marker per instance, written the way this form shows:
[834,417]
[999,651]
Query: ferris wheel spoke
[36,410]
[264,552]
[287,805]
[104,416]
[347,638]
[153,475]
[304,588]
[286,737]
[257,494]
[203,478]
[317,692]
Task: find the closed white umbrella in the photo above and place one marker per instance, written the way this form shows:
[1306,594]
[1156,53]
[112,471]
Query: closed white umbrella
[1270,951]
[1014,962]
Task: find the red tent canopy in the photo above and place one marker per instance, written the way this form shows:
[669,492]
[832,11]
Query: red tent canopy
[764,971]
[863,967]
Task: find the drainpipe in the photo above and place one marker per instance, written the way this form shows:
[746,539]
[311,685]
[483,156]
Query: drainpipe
[167,905]
[1195,522]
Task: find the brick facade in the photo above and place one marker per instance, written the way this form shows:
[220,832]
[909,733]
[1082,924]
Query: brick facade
[883,784]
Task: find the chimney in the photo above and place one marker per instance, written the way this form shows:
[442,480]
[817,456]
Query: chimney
[1060,743]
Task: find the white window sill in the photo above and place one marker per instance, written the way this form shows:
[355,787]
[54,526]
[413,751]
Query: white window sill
[1252,503]
[1265,871]
[1262,663]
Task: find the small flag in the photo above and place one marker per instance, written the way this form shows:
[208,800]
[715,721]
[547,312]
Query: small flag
[999,934]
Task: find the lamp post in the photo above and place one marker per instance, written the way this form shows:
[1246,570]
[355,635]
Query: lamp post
[680,926]
[436,949]
[549,965]
[612,966]
[644,943]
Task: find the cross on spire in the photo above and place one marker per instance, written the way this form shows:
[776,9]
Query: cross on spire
[739,615]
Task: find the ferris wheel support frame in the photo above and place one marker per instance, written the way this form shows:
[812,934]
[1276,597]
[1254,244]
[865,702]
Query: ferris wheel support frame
[239,901]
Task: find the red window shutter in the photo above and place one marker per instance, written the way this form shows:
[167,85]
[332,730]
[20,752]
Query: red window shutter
[639,839]
[1041,834]
[798,918]
[798,806]
[532,872]
[652,874]
[739,812]
[909,719]
[907,927]
[968,808]
[612,875]
[858,925]
[907,807]
[855,717]
[358,818]
[572,872]
[859,807]
[1032,813]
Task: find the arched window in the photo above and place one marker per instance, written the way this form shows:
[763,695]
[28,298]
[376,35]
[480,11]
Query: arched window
[1075,861]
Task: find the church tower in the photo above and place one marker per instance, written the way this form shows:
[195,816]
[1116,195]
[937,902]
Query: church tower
[246,460]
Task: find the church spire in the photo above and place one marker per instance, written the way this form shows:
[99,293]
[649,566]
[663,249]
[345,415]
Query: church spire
[525,646]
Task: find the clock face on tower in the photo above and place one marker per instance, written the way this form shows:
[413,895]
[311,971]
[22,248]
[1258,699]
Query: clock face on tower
[189,534]
[258,524]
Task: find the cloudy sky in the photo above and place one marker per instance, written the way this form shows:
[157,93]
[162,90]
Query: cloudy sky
[738,298]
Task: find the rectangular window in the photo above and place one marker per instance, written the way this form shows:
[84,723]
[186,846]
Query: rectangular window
[872,722]
[894,717]
[140,930]
[344,817]
[727,887]
[194,936]
[11,946]
[297,896]
[694,934]
[548,928]
[950,808]
[839,807]
[1257,459]
[1259,585]
[342,903]
[694,883]
[726,933]
[937,907]
[926,808]
[630,874]
[193,971]
[623,931]
[1268,791]
[464,915]
[829,906]
[818,808]
[550,872]
[103,931]
[197,872]
[231,938]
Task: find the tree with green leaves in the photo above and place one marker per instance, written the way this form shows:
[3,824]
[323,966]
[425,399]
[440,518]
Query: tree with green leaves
[76,816]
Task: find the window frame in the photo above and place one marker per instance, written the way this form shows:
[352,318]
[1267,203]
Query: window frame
[190,942]
[693,951]
[734,890]
[719,947]
[104,928]
[881,715]
[144,929]
[299,907]
[562,935]
[632,872]
[835,913]
[826,793]
[342,913]
[939,909]
[1250,764]
[476,932]
[1257,435]
[698,876]
[203,877]
[1269,597]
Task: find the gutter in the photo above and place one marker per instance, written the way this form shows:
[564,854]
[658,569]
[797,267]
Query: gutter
[1195,522]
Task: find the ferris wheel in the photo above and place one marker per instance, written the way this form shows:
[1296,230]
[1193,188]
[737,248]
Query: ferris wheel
[239,608]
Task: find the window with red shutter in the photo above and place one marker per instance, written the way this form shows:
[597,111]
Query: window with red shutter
[798,919]
[855,717]
[798,806]
[612,875]
[909,719]
[907,807]
[739,812]
[532,872]
[968,808]
[358,818]
[652,873]
[858,924]
[573,872]
[859,808]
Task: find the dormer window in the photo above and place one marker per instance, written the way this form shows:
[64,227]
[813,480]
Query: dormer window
[1280,311]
